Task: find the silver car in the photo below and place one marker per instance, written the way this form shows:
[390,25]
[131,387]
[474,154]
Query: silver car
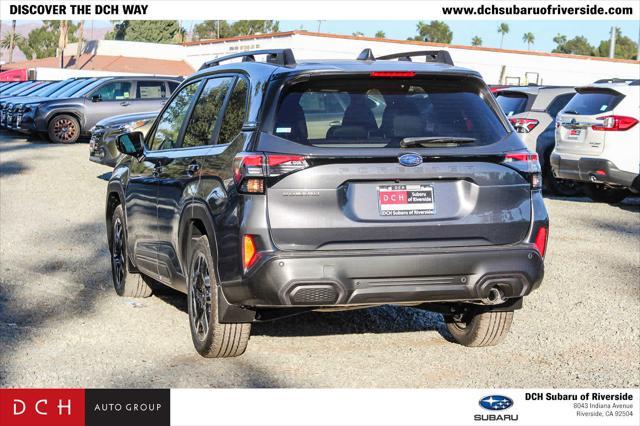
[102,148]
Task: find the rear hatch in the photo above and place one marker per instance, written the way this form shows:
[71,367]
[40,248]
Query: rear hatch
[393,162]
[579,124]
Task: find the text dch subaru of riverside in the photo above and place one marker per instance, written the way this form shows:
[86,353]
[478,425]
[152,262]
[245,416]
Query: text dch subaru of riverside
[270,188]
[597,136]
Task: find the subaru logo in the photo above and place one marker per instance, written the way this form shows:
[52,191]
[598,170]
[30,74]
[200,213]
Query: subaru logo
[410,159]
[496,402]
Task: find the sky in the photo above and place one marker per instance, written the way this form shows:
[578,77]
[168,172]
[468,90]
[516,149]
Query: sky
[464,31]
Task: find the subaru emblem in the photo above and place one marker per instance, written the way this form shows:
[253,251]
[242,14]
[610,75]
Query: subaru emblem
[410,159]
[496,402]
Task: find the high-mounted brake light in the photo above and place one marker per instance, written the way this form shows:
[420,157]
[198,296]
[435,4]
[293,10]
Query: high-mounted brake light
[392,74]
[523,125]
[250,170]
[249,251]
[614,123]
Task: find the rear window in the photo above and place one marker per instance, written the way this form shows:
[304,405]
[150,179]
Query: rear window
[592,103]
[382,112]
[512,103]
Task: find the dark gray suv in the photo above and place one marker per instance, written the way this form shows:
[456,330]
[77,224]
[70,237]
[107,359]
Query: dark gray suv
[267,189]
[65,120]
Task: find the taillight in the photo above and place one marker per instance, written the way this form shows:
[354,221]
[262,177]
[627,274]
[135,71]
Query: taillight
[393,74]
[540,242]
[523,125]
[251,170]
[613,123]
[526,163]
[249,251]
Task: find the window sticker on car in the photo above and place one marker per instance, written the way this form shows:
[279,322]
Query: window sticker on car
[604,107]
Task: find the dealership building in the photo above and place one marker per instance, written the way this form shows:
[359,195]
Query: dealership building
[497,66]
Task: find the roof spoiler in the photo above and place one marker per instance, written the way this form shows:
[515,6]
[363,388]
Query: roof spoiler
[282,57]
[439,56]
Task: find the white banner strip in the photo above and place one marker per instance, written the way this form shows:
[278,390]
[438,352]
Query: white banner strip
[326,10]
[398,407]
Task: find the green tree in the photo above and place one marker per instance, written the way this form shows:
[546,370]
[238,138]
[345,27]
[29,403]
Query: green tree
[576,46]
[625,47]
[222,29]
[380,34]
[42,42]
[503,29]
[560,39]
[434,31]
[11,40]
[358,34]
[529,38]
[476,41]
[147,31]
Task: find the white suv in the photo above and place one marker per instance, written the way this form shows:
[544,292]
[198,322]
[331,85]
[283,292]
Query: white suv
[598,140]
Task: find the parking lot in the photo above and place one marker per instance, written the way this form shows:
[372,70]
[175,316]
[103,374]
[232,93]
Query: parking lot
[62,325]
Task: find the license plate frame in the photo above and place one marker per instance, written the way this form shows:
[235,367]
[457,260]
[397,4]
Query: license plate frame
[397,200]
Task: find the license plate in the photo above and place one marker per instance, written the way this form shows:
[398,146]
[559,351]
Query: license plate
[573,134]
[406,200]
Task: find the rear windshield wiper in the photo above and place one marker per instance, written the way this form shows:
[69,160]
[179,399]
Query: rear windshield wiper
[434,140]
[570,112]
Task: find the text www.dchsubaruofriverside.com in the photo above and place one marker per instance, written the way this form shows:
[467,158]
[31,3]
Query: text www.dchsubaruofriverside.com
[549,9]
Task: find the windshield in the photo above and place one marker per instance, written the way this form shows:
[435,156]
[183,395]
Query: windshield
[88,88]
[591,103]
[73,88]
[381,112]
[18,87]
[51,88]
[512,103]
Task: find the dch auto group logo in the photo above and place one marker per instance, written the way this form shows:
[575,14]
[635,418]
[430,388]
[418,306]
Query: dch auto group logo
[42,407]
[495,403]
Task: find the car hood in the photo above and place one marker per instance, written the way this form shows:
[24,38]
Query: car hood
[127,118]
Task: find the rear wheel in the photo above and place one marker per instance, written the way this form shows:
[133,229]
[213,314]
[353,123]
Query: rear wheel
[479,329]
[605,194]
[125,282]
[211,338]
[64,129]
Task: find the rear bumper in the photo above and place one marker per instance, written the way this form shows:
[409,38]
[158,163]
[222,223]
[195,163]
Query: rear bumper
[377,277]
[588,169]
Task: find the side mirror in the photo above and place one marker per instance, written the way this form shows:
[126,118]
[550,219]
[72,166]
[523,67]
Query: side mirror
[131,144]
[96,98]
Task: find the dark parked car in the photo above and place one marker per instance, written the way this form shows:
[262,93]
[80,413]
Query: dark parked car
[102,146]
[532,111]
[12,108]
[420,193]
[64,120]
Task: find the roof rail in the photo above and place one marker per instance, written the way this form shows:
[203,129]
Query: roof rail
[283,57]
[441,56]
[629,81]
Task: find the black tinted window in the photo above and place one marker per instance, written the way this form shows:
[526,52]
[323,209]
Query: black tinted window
[205,112]
[558,103]
[235,113]
[151,90]
[591,103]
[512,103]
[382,112]
[170,122]
[173,86]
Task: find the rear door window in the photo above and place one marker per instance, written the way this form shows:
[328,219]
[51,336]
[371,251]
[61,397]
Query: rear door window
[151,90]
[512,103]
[382,112]
[235,113]
[593,102]
[206,111]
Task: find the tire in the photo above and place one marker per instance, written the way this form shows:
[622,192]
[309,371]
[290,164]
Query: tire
[211,338]
[563,187]
[63,129]
[480,329]
[125,282]
[605,194]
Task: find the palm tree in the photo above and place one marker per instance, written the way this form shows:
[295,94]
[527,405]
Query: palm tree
[503,29]
[476,41]
[528,38]
[63,39]
[80,41]
[13,40]
[9,42]
[380,34]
